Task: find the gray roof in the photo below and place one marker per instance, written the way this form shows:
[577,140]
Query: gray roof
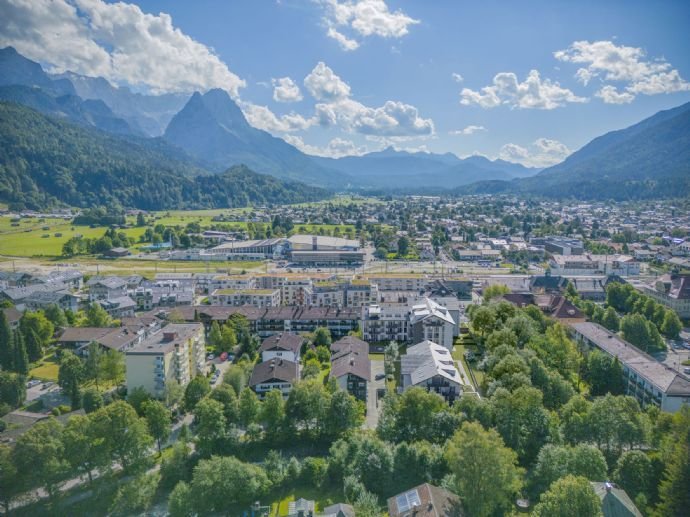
[662,376]
[282,341]
[275,369]
[615,502]
[426,360]
[165,340]
[350,356]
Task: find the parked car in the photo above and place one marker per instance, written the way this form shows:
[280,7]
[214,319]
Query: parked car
[33,383]
[380,376]
[210,357]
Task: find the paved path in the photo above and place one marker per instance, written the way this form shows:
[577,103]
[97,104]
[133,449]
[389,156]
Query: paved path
[372,418]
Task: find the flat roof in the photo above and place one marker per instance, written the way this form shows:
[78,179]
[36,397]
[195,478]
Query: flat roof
[257,292]
[167,338]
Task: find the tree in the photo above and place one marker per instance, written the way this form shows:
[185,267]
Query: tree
[225,394]
[494,291]
[158,419]
[211,426]
[196,390]
[96,316]
[403,246]
[124,434]
[673,491]
[36,322]
[222,481]
[604,374]
[70,376]
[173,393]
[12,389]
[311,369]
[344,412]
[9,483]
[135,496]
[500,337]
[56,315]
[180,502]
[322,337]
[112,366]
[215,338]
[92,364]
[483,319]
[555,462]
[236,377]
[137,397]
[610,319]
[21,359]
[486,473]
[365,457]
[571,496]
[175,466]
[39,457]
[6,352]
[248,407]
[671,325]
[413,415]
[84,452]
[634,473]
[228,340]
[272,415]
[91,400]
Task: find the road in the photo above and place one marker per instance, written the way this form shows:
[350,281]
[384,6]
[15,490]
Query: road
[372,418]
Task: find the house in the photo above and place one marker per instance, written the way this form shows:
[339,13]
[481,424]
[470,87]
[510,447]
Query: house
[116,252]
[113,338]
[553,305]
[648,380]
[17,295]
[544,284]
[41,300]
[104,288]
[615,502]
[338,510]
[351,366]
[301,508]
[673,291]
[275,374]
[431,321]
[176,353]
[119,307]
[431,366]
[13,316]
[284,345]
[425,500]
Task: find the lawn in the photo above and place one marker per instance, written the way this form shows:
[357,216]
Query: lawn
[323,498]
[459,355]
[46,370]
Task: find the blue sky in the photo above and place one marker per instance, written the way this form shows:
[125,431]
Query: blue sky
[337,77]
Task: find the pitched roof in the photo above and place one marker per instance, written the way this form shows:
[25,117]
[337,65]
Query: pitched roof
[615,502]
[283,341]
[339,510]
[275,369]
[351,357]
[428,500]
[426,360]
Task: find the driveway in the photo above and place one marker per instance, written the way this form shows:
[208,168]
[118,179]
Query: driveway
[372,418]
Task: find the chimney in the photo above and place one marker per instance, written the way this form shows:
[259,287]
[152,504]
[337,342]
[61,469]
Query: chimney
[608,486]
[169,336]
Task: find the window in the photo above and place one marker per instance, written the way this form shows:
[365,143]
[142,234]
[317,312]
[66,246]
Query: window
[407,501]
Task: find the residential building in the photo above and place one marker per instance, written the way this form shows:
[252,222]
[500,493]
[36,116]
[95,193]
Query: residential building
[560,245]
[43,299]
[327,294]
[351,366]
[553,305]
[399,282]
[385,322]
[338,510]
[274,374]
[283,345]
[233,282]
[431,321]
[651,382]
[119,307]
[253,297]
[104,288]
[176,353]
[431,366]
[673,291]
[425,501]
[117,338]
[588,264]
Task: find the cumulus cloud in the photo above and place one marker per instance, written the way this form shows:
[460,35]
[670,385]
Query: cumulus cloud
[363,18]
[610,95]
[622,64]
[457,77]
[286,90]
[532,93]
[324,85]
[117,41]
[336,148]
[262,117]
[338,109]
[469,130]
[543,152]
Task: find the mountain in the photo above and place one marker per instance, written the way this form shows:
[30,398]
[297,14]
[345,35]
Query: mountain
[24,81]
[404,170]
[212,128]
[149,114]
[16,69]
[650,159]
[45,161]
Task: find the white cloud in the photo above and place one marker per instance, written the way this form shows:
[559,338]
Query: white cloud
[619,63]
[363,18]
[543,152]
[457,77]
[532,93]
[469,130]
[610,95]
[286,90]
[325,85]
[262,117]
[336,148]
[116,41]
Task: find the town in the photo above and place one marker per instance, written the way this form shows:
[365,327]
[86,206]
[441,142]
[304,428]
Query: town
[462,310]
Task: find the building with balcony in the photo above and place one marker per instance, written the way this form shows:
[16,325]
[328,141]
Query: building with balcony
[175,353]
[431,366]
[252,297]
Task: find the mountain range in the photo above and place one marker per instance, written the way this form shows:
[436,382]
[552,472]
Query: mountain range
[205,134]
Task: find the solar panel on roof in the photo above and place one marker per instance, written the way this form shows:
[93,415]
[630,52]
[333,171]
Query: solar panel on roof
[407,501]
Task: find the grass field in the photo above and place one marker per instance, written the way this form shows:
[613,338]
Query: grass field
[47,371]
[323,497]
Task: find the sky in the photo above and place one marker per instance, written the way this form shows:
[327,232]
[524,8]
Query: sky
[527,81]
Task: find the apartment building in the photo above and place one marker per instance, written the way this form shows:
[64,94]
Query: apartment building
[673,291]
[252,297]
[176,353]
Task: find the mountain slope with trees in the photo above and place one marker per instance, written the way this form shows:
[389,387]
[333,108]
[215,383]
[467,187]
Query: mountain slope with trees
[48,162]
